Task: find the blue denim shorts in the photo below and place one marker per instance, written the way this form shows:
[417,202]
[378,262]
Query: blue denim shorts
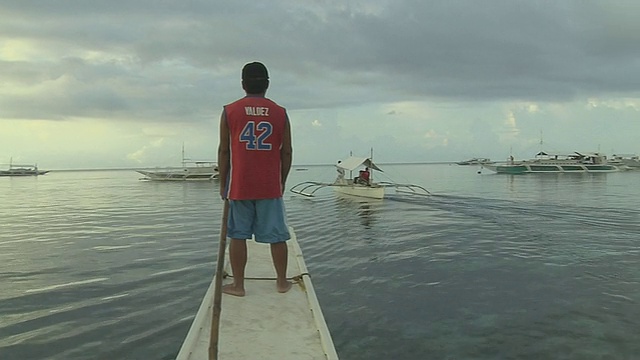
[263,218]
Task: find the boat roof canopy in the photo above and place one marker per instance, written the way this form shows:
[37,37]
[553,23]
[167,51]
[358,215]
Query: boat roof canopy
[352,163]
[573,154]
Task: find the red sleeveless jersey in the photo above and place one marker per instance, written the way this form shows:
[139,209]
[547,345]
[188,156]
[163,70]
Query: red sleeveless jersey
[256,130]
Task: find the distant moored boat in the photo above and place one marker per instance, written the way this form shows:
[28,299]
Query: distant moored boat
[630,161]
[22,170]
[556,163]
[189,171]
[476,161]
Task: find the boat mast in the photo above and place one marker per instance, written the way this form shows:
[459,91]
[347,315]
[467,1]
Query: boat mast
[541,142]
[371,169]
[351,171]
[183,162]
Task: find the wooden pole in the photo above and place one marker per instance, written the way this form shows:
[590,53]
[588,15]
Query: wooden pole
[217,294]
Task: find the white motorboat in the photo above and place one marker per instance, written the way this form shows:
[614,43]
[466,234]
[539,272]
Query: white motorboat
[264,324]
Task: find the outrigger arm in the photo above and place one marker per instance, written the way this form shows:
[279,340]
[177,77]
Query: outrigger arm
[311,186]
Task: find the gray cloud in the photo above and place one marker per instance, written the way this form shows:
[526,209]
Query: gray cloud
[179,62]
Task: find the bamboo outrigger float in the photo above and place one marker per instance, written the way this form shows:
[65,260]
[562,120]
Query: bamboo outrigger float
[264,324]
[356,186]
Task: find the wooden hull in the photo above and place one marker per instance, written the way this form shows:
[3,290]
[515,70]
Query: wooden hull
[179,175]
[22,172]
[373,192]
[264,324]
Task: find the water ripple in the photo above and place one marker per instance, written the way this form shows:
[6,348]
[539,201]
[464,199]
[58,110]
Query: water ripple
[488,267]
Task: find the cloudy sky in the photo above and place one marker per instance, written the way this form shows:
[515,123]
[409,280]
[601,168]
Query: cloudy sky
[124,83]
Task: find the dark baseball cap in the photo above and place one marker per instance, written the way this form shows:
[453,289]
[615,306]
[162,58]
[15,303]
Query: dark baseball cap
[255,71]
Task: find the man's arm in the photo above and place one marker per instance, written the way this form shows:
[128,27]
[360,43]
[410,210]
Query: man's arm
[223,154]
[286,154]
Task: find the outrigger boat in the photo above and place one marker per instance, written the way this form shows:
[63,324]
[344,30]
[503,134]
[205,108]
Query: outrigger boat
[22,170]
[629,161]
[556,163]
[476,161]
[264,324]
[191,170]
[356,186]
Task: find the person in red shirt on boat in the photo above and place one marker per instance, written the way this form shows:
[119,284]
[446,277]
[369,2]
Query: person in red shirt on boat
[255,139]
[364,176]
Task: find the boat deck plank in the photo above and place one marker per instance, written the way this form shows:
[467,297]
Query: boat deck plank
[264,324]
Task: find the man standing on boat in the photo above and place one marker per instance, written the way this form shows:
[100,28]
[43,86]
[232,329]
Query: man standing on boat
[340,170]
[255,139]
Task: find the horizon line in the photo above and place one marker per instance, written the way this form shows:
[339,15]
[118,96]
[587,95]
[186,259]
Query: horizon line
[293,166]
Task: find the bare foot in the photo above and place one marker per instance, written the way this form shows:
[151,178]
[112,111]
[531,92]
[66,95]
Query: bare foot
[283,288]
[231,289]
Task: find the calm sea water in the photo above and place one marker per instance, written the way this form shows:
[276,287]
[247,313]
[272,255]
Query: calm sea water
[100,265]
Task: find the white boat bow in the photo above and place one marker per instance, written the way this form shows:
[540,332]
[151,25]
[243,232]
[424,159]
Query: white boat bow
[264,324]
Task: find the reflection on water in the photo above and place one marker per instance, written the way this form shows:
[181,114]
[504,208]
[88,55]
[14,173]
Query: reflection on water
[365,208]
